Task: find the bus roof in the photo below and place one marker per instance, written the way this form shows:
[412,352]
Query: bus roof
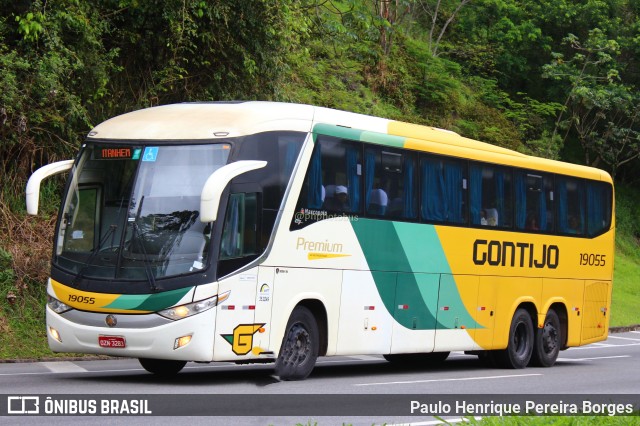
[211,120]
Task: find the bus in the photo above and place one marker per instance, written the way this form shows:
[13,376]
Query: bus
[265,232]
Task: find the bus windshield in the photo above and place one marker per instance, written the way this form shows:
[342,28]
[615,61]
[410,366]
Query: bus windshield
[131,212]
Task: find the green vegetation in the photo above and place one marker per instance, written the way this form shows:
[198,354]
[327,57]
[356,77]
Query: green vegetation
[557,79]
[558,420]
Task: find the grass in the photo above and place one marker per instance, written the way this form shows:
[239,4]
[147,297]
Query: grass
[626,291]
[557,420]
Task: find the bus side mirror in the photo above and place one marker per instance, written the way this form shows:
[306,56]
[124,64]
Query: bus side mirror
[33,185]
[215,184]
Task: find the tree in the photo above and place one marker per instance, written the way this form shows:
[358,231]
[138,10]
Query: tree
[600,109]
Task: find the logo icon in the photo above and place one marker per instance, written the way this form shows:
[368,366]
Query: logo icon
[23,405]
[111,320]
[242,338]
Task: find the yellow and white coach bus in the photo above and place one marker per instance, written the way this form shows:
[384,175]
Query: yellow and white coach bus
[273,232]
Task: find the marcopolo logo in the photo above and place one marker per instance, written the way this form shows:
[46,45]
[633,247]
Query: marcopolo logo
[23,405]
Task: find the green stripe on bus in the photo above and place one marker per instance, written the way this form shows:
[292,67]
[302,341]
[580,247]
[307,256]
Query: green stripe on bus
[149,302]
[411,273]
[359,135]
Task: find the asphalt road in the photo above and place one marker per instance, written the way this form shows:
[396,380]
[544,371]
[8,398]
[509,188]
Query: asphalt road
[350,390]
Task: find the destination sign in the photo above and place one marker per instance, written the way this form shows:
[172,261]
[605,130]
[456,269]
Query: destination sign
[117,153]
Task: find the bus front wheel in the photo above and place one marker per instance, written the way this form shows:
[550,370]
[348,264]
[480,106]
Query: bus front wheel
[162,367]
[548,341]
[300,346]
[521,341]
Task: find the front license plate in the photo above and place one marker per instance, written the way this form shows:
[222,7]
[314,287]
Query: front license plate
[111,341]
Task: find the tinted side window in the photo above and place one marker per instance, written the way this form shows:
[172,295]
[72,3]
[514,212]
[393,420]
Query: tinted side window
[390,186]
[334,177]
[534,201]
[490,196]
[570,205]
[599,207]
[444,185]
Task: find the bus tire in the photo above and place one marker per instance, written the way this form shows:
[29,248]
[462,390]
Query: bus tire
[300,346]
[418,359]
[162,367]
[548,341]
[521,341]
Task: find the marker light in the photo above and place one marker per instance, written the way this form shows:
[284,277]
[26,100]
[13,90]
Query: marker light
[54,333]
[183,311]
[181,341]
[57,306]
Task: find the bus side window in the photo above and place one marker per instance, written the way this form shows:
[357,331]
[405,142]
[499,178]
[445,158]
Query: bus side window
[570,205]
[598,207]
[390,185]
[444,185]
[334,177]
[490,195]
[534,201]
[239,232]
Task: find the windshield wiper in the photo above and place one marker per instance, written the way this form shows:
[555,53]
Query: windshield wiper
[110,233]
[145,256]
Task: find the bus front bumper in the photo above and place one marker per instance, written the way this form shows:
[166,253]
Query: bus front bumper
[159,342]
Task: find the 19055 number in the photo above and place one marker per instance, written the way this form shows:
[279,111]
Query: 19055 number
[82,299]
[590,259]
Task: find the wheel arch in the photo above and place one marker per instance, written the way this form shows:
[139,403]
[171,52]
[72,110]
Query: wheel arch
[531,308]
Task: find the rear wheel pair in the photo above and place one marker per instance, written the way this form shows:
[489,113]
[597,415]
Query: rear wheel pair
[539,347]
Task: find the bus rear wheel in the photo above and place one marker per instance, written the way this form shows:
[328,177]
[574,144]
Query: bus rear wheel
[299,350]
[162,367]
[547,342]
[521,341]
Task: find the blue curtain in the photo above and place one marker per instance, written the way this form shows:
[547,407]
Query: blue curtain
[499,178]
[582,213]
[596,200]
[521,199]
[369,175]
[314,194]
[353,179]
[475,193]
[563,208]
[453,191]
[543,208]
[433,200]
[409,210]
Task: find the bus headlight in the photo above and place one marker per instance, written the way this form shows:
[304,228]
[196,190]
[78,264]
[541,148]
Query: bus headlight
[184,311]
[57,306]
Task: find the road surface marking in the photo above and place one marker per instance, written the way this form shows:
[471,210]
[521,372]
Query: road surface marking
[63,367]
[590,359]
[461,379]
[624,338]
[604,347]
